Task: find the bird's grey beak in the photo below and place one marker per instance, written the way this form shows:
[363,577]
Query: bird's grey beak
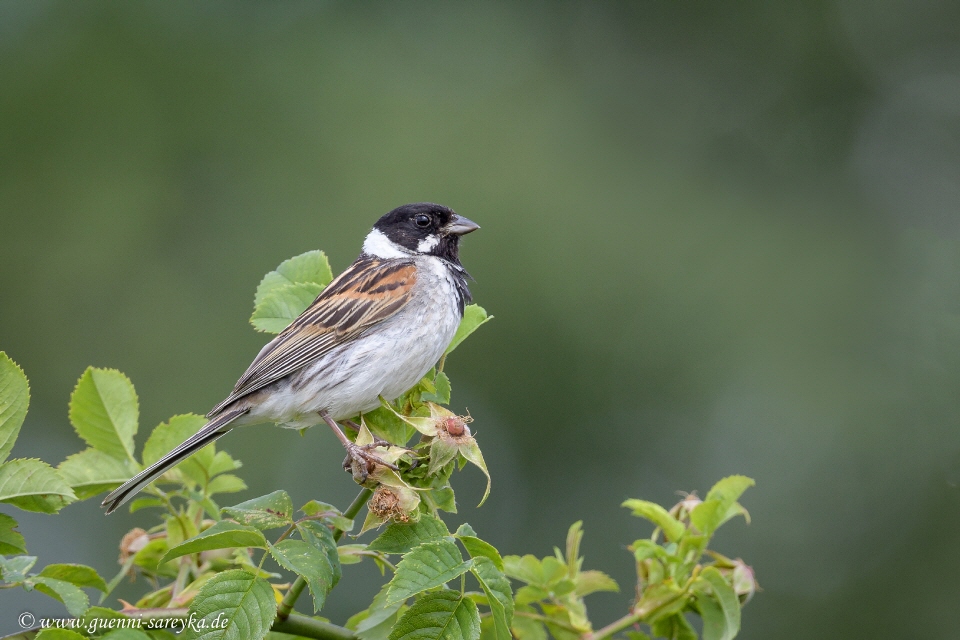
[461,226]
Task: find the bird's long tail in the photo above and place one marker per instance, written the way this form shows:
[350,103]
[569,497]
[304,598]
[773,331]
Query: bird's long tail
[217,427]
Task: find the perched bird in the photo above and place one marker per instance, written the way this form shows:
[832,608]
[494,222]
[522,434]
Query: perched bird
[374,331]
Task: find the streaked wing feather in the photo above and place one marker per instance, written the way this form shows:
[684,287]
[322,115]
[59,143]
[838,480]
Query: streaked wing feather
[368,292]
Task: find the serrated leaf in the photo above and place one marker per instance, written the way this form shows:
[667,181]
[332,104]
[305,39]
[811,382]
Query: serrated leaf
[387,425]
[73,598]
[92,471]
[723,498]
[76,574]
[222,462]
[312,267]
[379,619]
[530,569]
[222,535]
[319,535]
[674,627]
[14,400]
[718,605]
[478,548]
[271,511]
[11,540]
[473,316]
[33,485]
[104,411]
[471,451]
[672,528]
[427,566]
[525,628]
[144,503]
[441,392]
[279,308]
[442,615]
[226,483]
[401,538]
[169,435]
[310,563]
[499,595]
[239,601]
[15,569]
[593,581]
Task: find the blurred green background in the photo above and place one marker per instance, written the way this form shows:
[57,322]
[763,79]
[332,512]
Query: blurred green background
[718,238]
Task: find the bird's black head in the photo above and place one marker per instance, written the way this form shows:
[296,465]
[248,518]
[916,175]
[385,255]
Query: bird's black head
[422,228]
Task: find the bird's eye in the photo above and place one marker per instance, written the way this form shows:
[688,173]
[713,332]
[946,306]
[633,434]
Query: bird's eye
[422,220]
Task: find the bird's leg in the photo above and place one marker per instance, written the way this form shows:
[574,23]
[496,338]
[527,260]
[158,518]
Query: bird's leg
[359,459]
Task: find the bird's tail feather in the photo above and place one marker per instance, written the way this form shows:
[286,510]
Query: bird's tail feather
[217,427]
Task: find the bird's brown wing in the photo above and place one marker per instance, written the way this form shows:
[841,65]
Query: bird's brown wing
[368,292]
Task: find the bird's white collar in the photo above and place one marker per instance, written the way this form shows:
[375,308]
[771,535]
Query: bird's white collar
[380,246]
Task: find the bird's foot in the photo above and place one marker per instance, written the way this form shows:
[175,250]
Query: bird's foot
[361,462]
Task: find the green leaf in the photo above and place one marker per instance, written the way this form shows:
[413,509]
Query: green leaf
[279,308]
[473,316]
[77,574]
[271,511]
[14,400]
[401,538]
[233,605]
[145,503]
[309,562]
[674,627]
[70,595]
[442,393]
[478,548]
[331,515]
[11,541]
[320,536]
[104,411]
[718,605]
[442,615]
[593,581]
[386,424]
[33,485]
[639,635]
[427,566]
[169,435]
[15,569]
[99,619]
[721,505]
[499,595]
[533,571]
[311,266]
[525,628]
[672,528]
[92,471]
[471,451]
[226,483]
[379,619]
[222,462]
[57,634]
[222,535]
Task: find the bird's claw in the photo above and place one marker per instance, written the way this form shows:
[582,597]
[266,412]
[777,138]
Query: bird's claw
[361,462]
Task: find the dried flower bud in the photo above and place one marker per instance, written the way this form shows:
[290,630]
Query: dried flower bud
[385,504]
[132,542]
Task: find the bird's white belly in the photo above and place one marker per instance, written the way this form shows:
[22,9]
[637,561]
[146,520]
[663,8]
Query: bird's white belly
[386,361]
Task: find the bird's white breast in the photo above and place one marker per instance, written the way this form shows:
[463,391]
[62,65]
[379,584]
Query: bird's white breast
[386,360]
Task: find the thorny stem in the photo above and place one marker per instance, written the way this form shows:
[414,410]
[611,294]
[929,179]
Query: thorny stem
[285,608]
